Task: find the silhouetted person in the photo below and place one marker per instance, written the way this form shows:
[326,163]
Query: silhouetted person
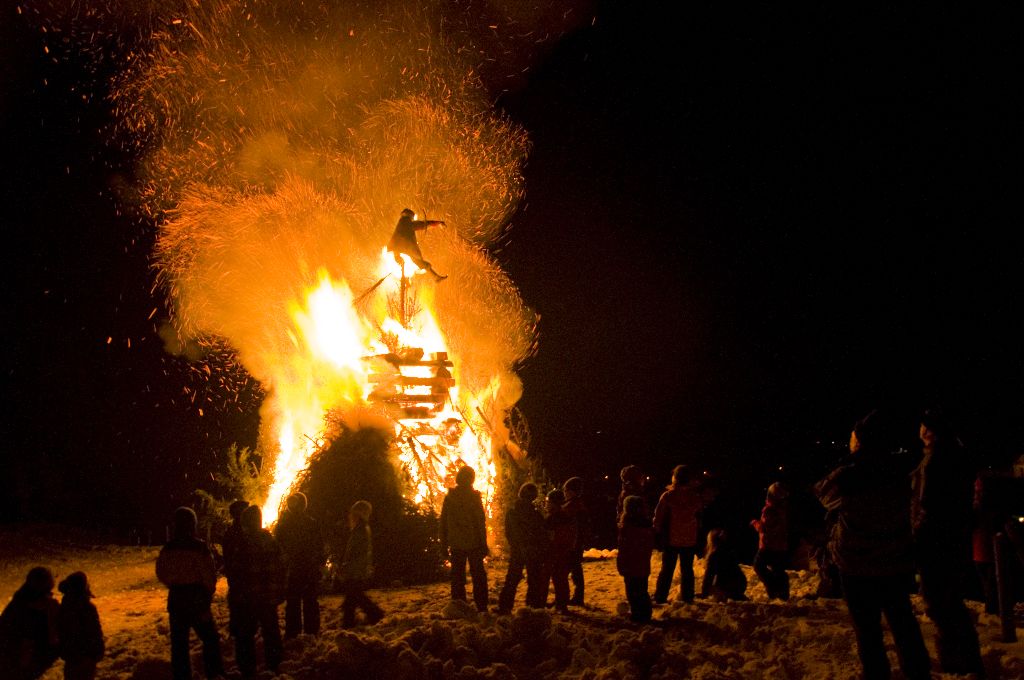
[723,577]
[230,545]
[528,548]
[403,241]
[303,548]
[773,543]
[942,516]
[562,534]
[986,526]
[260,574]
[871,546]
[635,544]
[79,630]
[187,567]
[28,627]
[357,567]
[576,508]
[464,537]
[676,523]
[632,478]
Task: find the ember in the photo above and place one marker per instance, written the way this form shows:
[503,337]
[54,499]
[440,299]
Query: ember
[278,158]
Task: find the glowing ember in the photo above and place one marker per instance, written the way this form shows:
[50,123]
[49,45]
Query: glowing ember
[276,152]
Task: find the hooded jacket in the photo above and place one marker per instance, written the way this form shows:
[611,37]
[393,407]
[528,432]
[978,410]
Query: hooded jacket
[869,499]
[677,516]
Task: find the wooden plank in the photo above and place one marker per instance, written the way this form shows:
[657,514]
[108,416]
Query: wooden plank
[410,380]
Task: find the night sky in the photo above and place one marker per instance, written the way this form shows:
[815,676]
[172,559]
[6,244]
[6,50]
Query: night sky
[741,232]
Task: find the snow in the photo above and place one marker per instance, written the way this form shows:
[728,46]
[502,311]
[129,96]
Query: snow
[425,635]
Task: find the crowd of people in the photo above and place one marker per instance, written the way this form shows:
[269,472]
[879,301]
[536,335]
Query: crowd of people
[896,522]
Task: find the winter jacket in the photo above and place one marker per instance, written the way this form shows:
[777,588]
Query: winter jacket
[577,510]
[677,516]
[357,564]
[941,511]
[187,567]
[869,499]
[631,489]
[229,547]
[562,532]
[28,633]
[301,543]
[723,576]
[773,527]
[524,530]
[636,543]
[259,572]
[462,520]
[78,624]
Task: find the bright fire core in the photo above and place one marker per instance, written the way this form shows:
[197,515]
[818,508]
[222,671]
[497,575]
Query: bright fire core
[350,352]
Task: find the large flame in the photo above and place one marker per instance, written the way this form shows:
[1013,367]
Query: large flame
[332,366]
[278,143]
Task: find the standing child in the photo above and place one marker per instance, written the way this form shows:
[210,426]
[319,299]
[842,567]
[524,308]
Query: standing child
[78,626]
[28,627]
[577,510]
[562,532]
[357,567]
[636,542]
[773,542]
[723,577]
[464,537]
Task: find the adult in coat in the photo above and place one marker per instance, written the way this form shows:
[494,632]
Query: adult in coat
[676,524]
[464,537]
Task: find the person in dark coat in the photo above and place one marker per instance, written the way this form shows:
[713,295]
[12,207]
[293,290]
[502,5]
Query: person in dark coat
[635,544]
[260,573]
[942,516]
[986,526]
[773,543]
[303,547]
[403,241]
[186,566]
[528,547]
[562,534]
[871,546]
[230,544]
[577,510]
[676,525]
[78,628]
[723,577]
[632,478]
[28,627]
[357,567]
[464,537]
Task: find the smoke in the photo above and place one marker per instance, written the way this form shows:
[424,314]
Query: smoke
[278,141]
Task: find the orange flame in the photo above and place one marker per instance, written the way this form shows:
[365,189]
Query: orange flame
[332,340]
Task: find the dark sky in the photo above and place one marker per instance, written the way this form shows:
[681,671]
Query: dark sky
[741,231]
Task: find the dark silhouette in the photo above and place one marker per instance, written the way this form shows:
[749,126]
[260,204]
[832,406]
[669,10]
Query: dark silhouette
[676,524]
[357,567]
[577,510]
[562,532]
[464,537]
[773,543]
[528,548]
[942,517]
[303,548]
[723,577]
[230,545]
[632,478]
[871,546]
[187,567]
[986,526]
[78,628]
[403,241]
[636,543]
[28,627]
[259,572]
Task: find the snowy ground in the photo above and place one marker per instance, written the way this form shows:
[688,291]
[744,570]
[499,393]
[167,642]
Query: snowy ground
[425,636]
